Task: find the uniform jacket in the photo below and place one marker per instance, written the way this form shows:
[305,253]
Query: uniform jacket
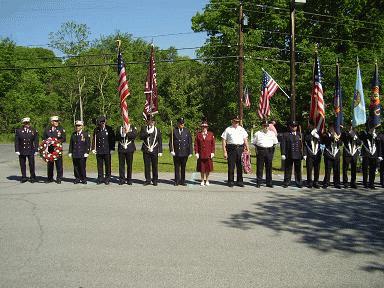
[105,140]
[291,145]
[371,145]
[311,144]
[152,142]
[57,132]
[79,144]
[332,145]
[351,144]
[182,143]
[204,147]
[26,141]
[128,140]
[381,142]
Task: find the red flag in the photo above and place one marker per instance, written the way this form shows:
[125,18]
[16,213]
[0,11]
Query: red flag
[123,88]
[150,91]
[247,101]
[268,89]
[317,112]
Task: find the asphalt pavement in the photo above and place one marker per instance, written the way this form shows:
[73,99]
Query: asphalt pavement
[92,235]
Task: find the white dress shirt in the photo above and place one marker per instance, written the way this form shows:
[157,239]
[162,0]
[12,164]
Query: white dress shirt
[265,140]
[234,135]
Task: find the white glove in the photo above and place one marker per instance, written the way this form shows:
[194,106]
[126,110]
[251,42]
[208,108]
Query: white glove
[283,157]
[315,134]
[355,137]
[212,155]
[70,155]
[94,151]
[189,155]
[160,154]
[111,152]
[173,153]
[380,158]
[305,157]
[197,155]
[18,153]
[86,155]
[36,153]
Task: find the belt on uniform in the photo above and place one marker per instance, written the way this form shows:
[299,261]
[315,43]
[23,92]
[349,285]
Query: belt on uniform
[264,148]
[235,145]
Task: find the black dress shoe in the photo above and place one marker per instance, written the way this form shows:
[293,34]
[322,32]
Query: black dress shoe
[32,180]
[240,184]
[372,187]
[230,184]
[106,182]
[76,181]
[183,184]
[84,181]
[129,182]
[316,185]
[175,184]
[338,186]
[309,185]
[154,183]
[325,186]
[121,182]
[345,185]
[285,185]
[99,181]
[257,185]
[23,180]
[58,181]
[354,186]
[299,186]
[269,185]
[146,183]
[48,181]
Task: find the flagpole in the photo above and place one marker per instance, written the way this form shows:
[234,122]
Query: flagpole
[277,84]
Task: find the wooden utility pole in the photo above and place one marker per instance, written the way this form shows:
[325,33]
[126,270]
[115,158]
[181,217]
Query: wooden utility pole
[241,63]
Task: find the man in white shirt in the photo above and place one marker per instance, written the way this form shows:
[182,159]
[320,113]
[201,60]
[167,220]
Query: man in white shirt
[234,141]
[264,141]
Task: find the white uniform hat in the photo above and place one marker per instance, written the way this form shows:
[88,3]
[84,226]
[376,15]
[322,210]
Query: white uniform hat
[54,118]
[79,122]
[25,119]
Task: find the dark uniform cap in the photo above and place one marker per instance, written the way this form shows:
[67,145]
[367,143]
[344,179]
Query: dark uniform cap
[236,118]
[180,120]
[101,119]
[293,123]
[264,123]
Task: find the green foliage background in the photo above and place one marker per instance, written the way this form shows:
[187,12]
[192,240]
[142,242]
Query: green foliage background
[352,28]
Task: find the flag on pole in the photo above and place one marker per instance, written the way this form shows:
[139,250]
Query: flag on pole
[150,91]
[317,112]
[268,89]
[123,88]
[374,106]
[337,102]
[247,102]
[359,116]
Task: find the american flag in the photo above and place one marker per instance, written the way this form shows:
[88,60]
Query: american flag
[150,91]
[123,88]
[337,102]
[375,106]
[247,102]
[268,89]
[317,112]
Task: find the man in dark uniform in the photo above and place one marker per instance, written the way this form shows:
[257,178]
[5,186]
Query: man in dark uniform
[351,152]
[152,148]
[292,152]
[312,155]
[79,147]
[180,145]
[332,144]
[103,144]
[55,131]
[381,156]
[370,153]
[26,146]
[126,147]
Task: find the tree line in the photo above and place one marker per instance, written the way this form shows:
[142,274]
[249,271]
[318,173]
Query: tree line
[343,29]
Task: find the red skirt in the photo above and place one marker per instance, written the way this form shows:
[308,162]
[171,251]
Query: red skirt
[204,165]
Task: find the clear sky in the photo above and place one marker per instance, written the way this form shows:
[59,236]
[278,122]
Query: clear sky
[28,22]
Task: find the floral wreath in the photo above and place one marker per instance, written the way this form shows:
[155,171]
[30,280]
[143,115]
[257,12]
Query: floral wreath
[50,149]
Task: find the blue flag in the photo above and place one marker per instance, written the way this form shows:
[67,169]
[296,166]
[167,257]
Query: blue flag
[359,116]
[337,103]
[374,106]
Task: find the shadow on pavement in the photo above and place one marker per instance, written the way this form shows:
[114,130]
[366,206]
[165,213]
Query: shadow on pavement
[348,221]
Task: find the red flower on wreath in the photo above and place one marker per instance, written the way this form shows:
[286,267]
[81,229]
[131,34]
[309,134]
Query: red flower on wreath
[50,149]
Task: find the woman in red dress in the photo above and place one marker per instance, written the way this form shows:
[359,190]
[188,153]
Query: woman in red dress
[204,151]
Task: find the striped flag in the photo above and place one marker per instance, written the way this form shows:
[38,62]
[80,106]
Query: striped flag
[123,88]
[317,112]
[374,106]
[337,102]
[247,102]
[359,116]
[150,91]
[268,89]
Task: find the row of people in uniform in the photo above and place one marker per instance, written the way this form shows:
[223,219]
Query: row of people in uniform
[102,144]
[294,147]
